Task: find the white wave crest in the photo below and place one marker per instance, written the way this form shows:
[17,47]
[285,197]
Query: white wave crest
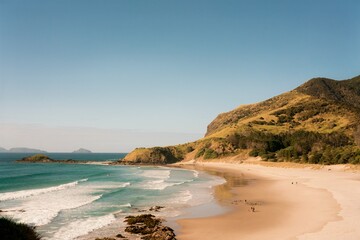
[33,192]
[160,174]
[124,185]
[82,227]
[180,198]
[42,209]
[126,205]
[161,184]
[109,185]
[196,173]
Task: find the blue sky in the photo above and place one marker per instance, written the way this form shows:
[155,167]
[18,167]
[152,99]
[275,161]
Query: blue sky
[161,66]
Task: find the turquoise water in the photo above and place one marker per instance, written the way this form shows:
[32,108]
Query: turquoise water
[65,201]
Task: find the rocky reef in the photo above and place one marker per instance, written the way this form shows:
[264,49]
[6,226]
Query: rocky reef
[156,155]
[149,227]
[41,158]
[144,226]
[37,158]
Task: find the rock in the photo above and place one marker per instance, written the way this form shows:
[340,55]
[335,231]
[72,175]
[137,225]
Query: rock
[162,233]
[151,156]
[155,208]
[149,227]
[41,158]
[36,158]
[120,236]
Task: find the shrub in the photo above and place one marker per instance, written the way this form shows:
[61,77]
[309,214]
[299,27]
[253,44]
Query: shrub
[315,158]
[254,153]
[210,154]
[11,230]
[189,149]
[200,152]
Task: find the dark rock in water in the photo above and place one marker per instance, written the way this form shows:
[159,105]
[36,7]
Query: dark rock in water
[155,208]
[149,226]
[161,233]
[105,238]
[120,236]
[142,224]
[41,158]
[152,209]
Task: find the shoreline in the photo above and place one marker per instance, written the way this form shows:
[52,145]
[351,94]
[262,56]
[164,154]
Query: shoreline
[290,203]
[169,214]
[266,200]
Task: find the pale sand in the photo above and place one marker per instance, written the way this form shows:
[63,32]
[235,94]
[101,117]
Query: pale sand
[324,204]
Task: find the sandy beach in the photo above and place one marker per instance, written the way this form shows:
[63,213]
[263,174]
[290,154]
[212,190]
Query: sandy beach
[279,201]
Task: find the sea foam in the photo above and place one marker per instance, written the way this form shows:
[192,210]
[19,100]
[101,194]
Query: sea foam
[40,210]
[81,227]
[33,192]
[195,173]
[161,181]
[161,184]
[160,174]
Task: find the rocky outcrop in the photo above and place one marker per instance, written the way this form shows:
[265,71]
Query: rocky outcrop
[150,227]
[150,156]
[37,158]
[41,158]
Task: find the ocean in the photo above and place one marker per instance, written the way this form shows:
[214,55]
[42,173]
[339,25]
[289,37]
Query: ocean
[65,201]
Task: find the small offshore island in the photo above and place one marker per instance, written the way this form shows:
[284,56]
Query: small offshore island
[82,150]
[298,150]
[41,158]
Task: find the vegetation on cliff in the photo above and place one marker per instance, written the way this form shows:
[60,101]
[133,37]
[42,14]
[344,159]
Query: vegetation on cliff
[37,158]
[156,155]
[317,122]
[41,158]
[11,230]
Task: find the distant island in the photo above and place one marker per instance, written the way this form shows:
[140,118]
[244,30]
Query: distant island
[82,150]
[21,150]
[3,150]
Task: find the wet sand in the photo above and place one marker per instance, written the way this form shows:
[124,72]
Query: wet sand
[278,203]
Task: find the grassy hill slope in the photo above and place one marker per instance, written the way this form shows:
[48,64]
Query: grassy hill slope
[317,122]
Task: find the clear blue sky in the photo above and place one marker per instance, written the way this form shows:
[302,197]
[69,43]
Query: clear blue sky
[164,66]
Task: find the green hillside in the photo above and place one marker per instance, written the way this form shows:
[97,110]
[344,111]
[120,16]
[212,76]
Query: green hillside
[316,122]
